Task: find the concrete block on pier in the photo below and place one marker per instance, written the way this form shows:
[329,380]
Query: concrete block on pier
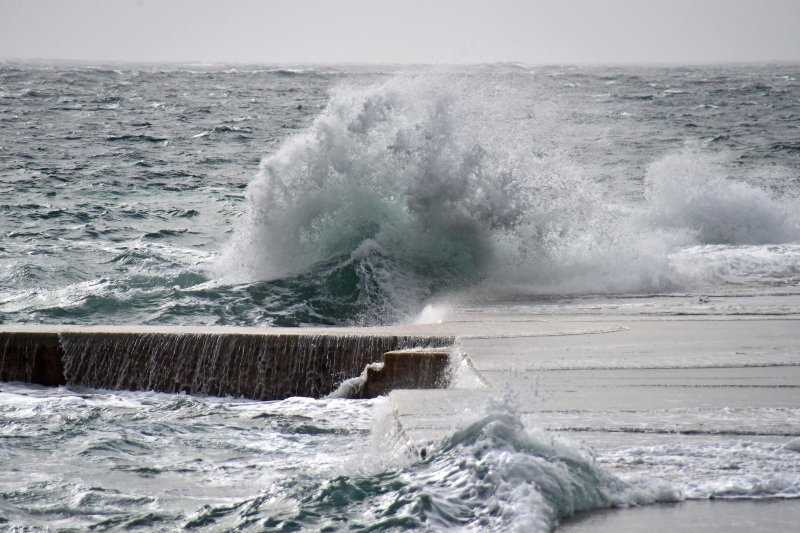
[408,369]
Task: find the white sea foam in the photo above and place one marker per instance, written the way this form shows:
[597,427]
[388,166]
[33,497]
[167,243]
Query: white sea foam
[238,464]
[691,191]
[524,479]
[492,475]
[418,187]
[725,468]
[251,465]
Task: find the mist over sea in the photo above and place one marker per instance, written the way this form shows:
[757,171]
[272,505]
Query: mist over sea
[356,195]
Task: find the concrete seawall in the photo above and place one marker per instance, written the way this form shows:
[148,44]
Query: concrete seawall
[251,363]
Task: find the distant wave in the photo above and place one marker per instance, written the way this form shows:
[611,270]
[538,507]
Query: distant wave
[136,138]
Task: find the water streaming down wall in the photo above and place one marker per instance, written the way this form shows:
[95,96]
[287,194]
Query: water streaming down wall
[255,366]
[31,357]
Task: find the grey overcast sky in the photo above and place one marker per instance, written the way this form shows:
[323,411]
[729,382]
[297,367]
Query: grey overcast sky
[404,31]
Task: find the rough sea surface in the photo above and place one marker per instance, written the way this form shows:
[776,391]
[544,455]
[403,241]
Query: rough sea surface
[251,195]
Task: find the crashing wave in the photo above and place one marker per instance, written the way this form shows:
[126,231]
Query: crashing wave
[413,187]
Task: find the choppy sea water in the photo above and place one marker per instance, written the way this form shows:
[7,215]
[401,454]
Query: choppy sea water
[122,460]
[260,196]
[252,196]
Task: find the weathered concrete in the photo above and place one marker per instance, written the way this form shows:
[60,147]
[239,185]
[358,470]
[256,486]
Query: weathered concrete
[576,373]
[408,369]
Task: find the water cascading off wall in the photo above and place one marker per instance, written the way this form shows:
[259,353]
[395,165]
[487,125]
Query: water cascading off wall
[249,365]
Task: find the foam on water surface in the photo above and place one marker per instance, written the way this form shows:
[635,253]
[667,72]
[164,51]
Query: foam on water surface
[79,458]
[165,461]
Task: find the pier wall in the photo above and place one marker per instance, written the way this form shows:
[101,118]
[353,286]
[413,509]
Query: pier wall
[264,365]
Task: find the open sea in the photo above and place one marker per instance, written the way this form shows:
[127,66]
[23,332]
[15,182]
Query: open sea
[355,195]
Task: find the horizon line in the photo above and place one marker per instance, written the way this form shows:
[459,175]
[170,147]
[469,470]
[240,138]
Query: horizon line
[523,64]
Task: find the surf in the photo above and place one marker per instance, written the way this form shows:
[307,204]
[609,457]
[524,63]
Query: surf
[416,187]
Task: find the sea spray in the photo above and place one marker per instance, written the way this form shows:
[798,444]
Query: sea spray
[412,188]
[693,191]
[381,192]
[387,189]
[404,190]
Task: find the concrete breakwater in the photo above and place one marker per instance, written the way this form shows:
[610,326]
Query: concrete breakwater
[251,363]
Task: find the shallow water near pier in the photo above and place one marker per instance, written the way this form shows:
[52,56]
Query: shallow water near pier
[109,459]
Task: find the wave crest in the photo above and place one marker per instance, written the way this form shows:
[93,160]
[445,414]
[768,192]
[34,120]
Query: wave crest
[493,475]
[414,187]
[388,179]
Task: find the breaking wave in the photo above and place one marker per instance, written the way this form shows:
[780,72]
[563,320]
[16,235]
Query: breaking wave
[689,191]
[220,464]
[417,187]
[493,475]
